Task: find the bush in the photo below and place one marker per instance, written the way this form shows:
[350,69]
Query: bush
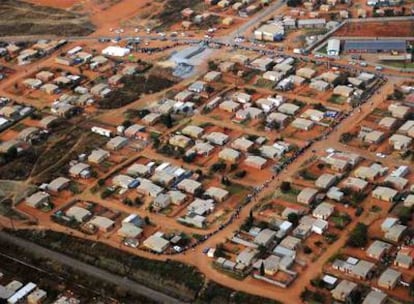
[285,187]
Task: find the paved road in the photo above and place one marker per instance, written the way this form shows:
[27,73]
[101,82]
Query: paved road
[132,286]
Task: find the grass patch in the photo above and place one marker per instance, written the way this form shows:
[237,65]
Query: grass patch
[337,99]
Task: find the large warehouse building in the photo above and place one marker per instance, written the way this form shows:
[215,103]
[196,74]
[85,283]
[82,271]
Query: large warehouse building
[374,46]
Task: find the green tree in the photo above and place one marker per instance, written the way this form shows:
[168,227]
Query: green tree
[262,269]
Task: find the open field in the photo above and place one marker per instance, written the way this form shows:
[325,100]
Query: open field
[378,29]
[20,18]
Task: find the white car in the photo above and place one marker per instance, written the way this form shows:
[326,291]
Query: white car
[178,248]
[381,155]
[330,150]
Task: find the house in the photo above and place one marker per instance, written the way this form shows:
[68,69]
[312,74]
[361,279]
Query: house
[408,125]
[117,143]
[247,256]
[370,173]
[400,142]
[242,144]
[103,224]
[44,76]
[28,134]
[147,187]
[217,138]
[262,64]
[212,76]
[193,219]
[375,297]
[241,97]
[256,162]
[404,258]
[395,233]
[162,201]
[377,249]
[151,119]
[201,206]
[32,83]
[270,32]
[78,213]
[384,194]
[248,113]
[184,96]
[343,90]
[389,278]
[138,170]
[265,237]
[180,141]
[98,156]
[271,264]
[325,181]
[163,178]
[230,155]
[177,197]
[397,182]
[129,229]
[133,130]
[156,243]
[307,196]
[319,85]
[333,47]
[306,73]
[218,194]
[229,106]
[273,76]
[37,296]
[398,110]
[58,184]
[281,251]
[374,45]
[291,242]
[201,148]
[288,108]
[343,290]
[197,87]
[319,226]
[193,131]
[80,170]
[123,181]
[374,137]
[314,115]
[302,124]
[330,77]
[48,121]
[388,223]
[356,184]
[311,23]
[269,152]
[323,211]
[387,123]
[188,185]
[409,201]
[334,193]
[38,199]
[115,51]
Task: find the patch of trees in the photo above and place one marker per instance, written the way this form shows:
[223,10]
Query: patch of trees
[359,236]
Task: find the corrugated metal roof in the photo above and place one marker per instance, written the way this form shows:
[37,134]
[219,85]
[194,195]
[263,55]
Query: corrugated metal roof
[374,45]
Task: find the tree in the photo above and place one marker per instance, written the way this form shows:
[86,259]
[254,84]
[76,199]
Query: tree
[358,236]
[285,187]
[262,269]
[293,218]
[101,182]
[167,121]
[126,123]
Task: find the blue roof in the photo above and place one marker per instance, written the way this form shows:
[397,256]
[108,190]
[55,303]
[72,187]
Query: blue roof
[375,45]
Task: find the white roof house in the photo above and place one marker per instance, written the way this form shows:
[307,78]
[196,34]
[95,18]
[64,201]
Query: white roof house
[334,47]
[156,243]
[307,196]
[189,185]
[201,206]
[217,138]
[78,213]
[323,211]
[115,51]
[217,194]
